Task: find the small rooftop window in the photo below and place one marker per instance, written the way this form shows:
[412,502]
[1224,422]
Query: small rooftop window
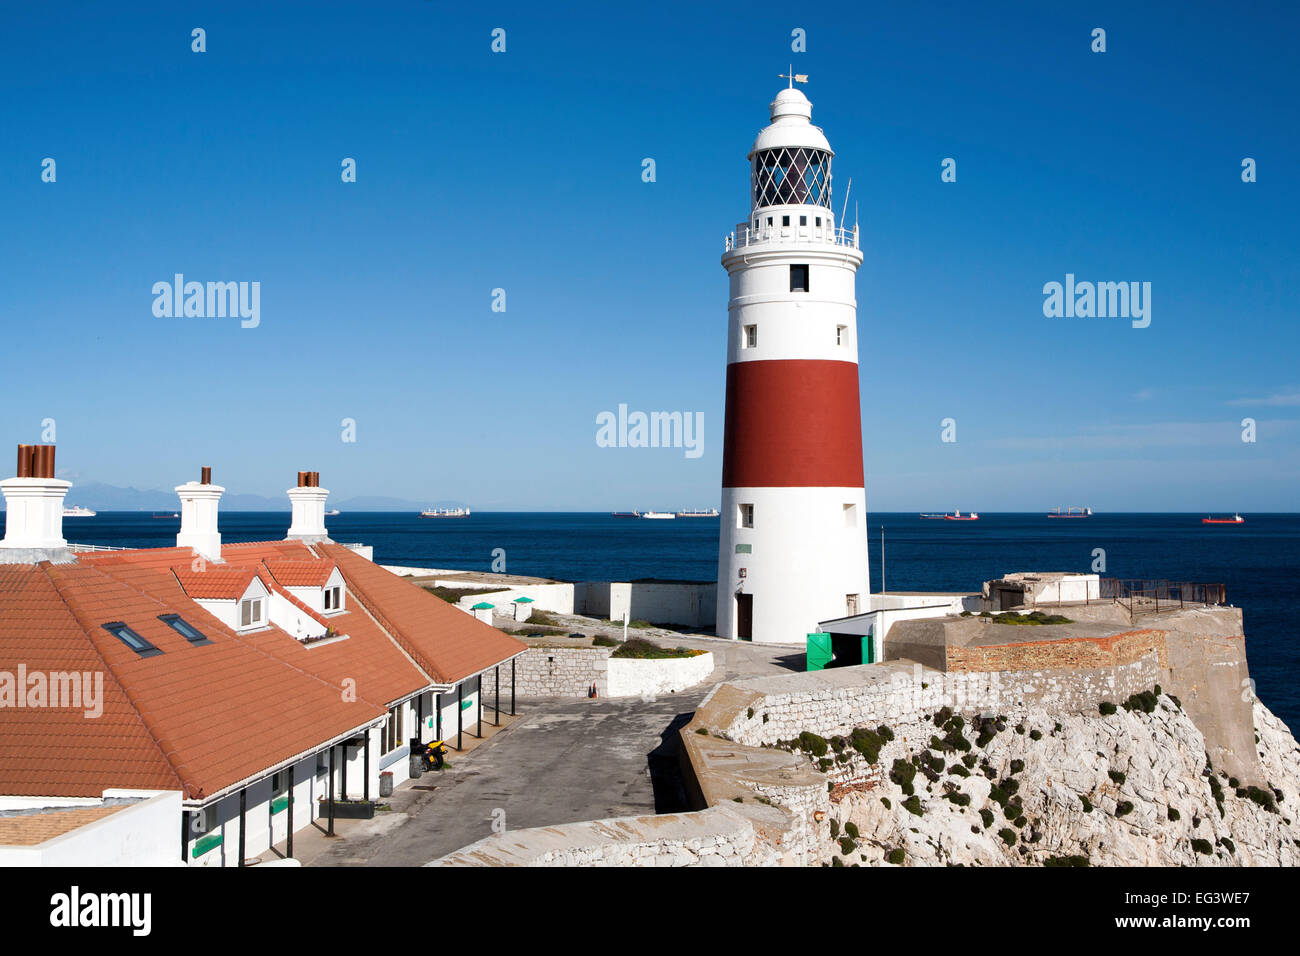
[131,639]
[184,629]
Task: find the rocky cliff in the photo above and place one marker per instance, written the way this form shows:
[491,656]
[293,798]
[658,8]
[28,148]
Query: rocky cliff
[1128,785]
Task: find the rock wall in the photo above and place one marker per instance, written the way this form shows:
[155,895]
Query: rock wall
[561,671]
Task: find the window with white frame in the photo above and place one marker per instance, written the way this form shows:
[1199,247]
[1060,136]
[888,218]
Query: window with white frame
[751,336]
[334,598]
[746,516]
[841,335]
[251,612]
[392,737]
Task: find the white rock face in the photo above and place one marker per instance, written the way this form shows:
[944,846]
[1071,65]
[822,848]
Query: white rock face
[1161,757]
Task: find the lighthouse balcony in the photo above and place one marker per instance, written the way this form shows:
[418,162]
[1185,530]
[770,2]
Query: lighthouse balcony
[746,234]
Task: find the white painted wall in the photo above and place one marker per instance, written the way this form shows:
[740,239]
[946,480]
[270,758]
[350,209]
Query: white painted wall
[629,677]
[680,603]
[805,559]
[142,834]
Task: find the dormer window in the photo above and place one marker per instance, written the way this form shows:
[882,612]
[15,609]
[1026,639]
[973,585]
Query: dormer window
[251,613]
[334,598]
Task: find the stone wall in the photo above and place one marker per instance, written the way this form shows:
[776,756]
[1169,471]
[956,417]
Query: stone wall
[1087,652]
[838,700]
[561,671]
[720,836]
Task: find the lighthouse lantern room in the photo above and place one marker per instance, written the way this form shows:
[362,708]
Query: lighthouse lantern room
[793,544]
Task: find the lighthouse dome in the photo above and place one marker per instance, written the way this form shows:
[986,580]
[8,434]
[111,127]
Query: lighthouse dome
[791,125]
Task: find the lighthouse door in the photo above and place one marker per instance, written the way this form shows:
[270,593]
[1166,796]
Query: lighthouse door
[745,617]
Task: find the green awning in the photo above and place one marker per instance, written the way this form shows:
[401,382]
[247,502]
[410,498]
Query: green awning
[524,600]
[482,606]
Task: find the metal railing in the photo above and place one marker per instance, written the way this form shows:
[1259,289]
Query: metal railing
[1150,596]
[745,235]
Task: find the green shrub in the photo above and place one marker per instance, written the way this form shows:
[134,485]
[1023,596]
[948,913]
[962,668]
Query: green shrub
[969,761]
[896,856]
[1066,861]
[750,713]
[1117,775]
[1106,708]
[824,764]
[1086,803]
[1227,844]
[987,816]
[847,846]
[600,640]
[867,743]
[1202,847]
[835,828]
[835,861]
[1035,734]
[1145,702]
[903,773]
[1008,836]
[851,829]
[1264,798]
[913,806]
[959,770]
[813,744]
[1234,783]
[1017,766]
[639,648]
[885,801]
[1172,814]
[1123,808]
[885,732]
[959,798]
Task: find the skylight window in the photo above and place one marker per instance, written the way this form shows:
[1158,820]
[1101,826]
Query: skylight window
[131,639]
[184,629]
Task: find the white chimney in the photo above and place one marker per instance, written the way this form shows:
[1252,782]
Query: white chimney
[308,503]
[34,510]
[199,501]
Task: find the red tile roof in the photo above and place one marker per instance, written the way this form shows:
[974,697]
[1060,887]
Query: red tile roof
[215,582]
[294,573]
[448,643]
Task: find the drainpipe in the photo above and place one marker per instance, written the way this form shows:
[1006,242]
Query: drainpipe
[243,805]
[367,739]
[343,783]
[437,707]
[330,830]
[460,688]
[288,850]
[497,720]
[512,687]
[479,733]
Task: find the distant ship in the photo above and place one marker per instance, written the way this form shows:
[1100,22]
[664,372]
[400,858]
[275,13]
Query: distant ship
[445,513]
[1070,513]
[934,514]
[1235,519]
[78,512]
[657,514]
[332,511]
[627,514]
[164,514]
[711,513]
[958,516]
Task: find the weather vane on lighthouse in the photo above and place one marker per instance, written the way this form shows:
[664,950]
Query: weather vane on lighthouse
[794,77]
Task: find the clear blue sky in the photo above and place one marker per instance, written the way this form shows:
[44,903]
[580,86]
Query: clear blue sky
[522,171]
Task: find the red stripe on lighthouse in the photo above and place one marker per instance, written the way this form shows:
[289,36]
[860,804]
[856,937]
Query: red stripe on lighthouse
[792,423]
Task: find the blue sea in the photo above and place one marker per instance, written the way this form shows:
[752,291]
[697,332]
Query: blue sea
[1259,561]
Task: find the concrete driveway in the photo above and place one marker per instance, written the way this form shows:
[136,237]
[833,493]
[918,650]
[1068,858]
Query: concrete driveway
[563,760]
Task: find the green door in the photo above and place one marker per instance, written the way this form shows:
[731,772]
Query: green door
[819,652]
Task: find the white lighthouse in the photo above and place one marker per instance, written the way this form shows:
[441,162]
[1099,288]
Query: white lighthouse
[793,545]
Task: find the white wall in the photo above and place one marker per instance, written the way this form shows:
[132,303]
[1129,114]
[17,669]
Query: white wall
[629,677]
[666,602]
[142,834]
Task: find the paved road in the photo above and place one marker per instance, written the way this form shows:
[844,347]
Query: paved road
[563,761]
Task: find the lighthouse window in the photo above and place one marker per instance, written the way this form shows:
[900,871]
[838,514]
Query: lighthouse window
[785,220]
[819,222]
[799,278]
[751,336]
[841,334]
[746,516]
[803,220]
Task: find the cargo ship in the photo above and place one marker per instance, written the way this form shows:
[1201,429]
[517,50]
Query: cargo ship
[658,514]
[1235,519]
[711,513]
[1070,513]
[76,511]
[445,513]
[958,516]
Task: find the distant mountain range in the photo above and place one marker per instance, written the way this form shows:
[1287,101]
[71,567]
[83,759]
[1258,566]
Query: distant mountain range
[101,497]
